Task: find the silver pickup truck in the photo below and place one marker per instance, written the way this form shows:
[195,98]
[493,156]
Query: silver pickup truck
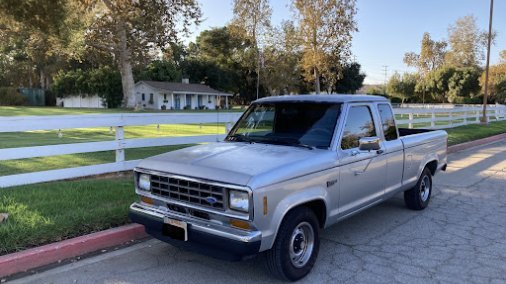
[290,166]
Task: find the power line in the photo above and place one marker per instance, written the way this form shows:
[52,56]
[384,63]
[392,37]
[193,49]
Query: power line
[385,72]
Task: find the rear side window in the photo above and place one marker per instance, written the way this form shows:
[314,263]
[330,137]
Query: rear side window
[359,124]
[388,122]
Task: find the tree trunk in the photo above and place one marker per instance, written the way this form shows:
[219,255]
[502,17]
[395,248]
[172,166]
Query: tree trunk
[42,78]
[125,68]
[316,80]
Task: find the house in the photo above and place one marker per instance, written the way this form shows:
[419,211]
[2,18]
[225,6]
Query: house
[170,95]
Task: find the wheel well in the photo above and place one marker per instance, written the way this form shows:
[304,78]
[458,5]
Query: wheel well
[319,209]
[432,166]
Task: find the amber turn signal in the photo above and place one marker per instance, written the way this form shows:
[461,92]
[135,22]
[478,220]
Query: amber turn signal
[146,200]
[240,224]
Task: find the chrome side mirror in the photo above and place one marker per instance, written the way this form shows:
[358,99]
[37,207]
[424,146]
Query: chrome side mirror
[369,144]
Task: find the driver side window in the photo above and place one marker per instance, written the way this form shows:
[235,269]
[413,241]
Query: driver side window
[359,124]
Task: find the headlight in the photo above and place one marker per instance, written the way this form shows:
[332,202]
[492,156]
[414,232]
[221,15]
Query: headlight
[239,200]
[144,182]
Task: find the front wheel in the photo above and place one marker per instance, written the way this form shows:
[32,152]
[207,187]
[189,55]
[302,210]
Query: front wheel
[296,247]
[418,197]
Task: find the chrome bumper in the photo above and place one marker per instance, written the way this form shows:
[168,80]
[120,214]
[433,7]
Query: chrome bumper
[198,225]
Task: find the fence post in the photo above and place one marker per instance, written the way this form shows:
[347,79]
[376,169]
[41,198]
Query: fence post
[410,124]
[477,116]
[433,119]
[465,117]
[120,136]
[451,118]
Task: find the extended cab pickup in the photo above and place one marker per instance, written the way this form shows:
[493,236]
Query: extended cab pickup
[290,166]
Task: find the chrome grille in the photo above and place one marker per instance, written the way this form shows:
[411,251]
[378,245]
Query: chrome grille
[196,193]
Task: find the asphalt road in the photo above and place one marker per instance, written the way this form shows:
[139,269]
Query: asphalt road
[459,238]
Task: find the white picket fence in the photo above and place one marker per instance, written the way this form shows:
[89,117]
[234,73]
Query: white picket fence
[447,117]
[435,118]
[117,121]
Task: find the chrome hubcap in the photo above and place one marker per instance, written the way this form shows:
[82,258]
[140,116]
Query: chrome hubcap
[301,244]
[425,188]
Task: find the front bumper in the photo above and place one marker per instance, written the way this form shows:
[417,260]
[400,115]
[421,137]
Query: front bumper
[203,236]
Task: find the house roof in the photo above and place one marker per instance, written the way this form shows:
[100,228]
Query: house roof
[183,87]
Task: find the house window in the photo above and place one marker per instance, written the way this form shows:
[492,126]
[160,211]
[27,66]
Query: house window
[151,100]
[164,97]
[199,101]
[177,102]
[143,97]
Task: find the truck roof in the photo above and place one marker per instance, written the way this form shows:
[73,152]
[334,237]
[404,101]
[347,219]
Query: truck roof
[334,98]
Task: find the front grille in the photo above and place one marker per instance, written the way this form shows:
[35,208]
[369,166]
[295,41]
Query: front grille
[192,192]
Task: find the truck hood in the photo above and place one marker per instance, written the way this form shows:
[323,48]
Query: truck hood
[253,165]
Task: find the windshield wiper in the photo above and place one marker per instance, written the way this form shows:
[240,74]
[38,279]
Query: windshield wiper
[240,138]
[286,142]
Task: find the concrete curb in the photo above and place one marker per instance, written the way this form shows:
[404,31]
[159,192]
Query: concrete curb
[474,143]
[36,257]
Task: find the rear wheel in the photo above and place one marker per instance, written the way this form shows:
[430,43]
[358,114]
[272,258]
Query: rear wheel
[296,247]
[418,197]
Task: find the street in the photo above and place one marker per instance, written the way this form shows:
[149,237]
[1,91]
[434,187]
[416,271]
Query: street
[460,237]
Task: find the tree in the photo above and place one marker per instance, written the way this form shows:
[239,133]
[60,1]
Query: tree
[160,70]
[38,37]
[325,28]
[351,80]
[467,43]
[103,81]
[432,55]
[464,84]
[496,80]
[217,58]
[436,84]
[253,17]
[280,60]
[128,28]
[402,87]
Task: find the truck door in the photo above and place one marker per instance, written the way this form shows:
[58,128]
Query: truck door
[363,173]
[394,150]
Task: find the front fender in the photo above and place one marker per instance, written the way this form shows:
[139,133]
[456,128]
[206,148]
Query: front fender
[285,205]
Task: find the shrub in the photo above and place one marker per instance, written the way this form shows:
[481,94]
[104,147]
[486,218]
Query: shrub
[9,96]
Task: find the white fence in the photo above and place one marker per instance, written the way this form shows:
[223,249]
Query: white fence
[117,121]
[447,117]
[435,118]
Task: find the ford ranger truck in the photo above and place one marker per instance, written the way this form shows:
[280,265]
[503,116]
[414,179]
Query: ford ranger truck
[290,167]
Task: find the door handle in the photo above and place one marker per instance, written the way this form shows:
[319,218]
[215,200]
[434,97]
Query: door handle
[379,152]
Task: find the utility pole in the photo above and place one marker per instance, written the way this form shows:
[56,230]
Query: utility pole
[484,119]
[385,71]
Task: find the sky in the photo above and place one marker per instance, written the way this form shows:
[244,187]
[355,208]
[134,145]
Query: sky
[387,28]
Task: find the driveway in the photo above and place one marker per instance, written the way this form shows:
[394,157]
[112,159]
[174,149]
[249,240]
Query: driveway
[460,237]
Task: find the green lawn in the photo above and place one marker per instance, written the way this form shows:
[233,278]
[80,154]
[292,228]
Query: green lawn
[18,111]
[50,212]
[471,132]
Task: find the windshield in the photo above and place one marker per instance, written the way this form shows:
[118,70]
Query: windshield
[307,124]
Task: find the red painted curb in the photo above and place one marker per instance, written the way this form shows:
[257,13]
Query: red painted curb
[47,254]
[474,143]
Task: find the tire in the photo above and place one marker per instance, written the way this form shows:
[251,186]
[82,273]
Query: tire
[294,252]
[418,197]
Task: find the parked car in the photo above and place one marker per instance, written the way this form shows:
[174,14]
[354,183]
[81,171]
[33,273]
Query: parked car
[291,166]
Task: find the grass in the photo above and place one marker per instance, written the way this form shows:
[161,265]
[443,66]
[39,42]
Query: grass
[50,212]
[472,132]
[12,167]
[18,111]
